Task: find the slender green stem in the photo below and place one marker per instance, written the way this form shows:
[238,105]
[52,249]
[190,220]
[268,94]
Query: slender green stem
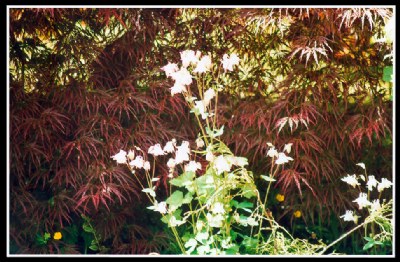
[344,236]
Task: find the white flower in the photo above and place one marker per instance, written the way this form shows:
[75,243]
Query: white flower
[202,236]
[150,191]
[229,62]
[351,180]
[203,65]
[390,29]
[174,222]
[362,165]
[225,243]
[221,165]
[182,77]
[182,153]
[248,221]
[177,88]
[138,162]
[288,148]
[131,155]
[240,161]
[192,166]
[170,68]
[362,201]
[282,158]
[146,166]
[384,184]
[169,147]
[191,245]
[162,207]
[199,106]
[210,156]
[252,221]
[171,163]
[208,95]
[214,220]
[120,157]
[348,216]
[204,250]
[218,208]
[199,225]
[156,150]
[189,57]
[372,182]
[199,142]
[272,152]
[270,144]
[159,207]
[375,206]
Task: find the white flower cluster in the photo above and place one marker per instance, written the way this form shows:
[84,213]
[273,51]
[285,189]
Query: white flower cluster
[183,77]
[281,157]
[224,163]
[363,200]
[137,162]
[370,184]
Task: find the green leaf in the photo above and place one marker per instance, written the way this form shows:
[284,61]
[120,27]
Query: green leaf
[175,199]
[180,180]
[387,74]
[250,243]
[188,198]
[51,201]
[87,228]
[369,239]
[166,218]
[87,239]
[47,236]
[187,236]
[94,247]
[234,203]
[368,245]
[40,240]
[233,234]
[204,188]
[249,190]
[233,250]
[245,205]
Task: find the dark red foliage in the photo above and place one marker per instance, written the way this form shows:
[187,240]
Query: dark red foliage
[64,130]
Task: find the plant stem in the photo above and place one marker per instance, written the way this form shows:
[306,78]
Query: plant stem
[344,236]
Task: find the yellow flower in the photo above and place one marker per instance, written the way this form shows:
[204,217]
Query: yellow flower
[297,213]
[280,197]
[57,235]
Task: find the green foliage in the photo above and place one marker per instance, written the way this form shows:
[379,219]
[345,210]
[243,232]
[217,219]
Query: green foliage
[387,74]
[42,239]
[92,239]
